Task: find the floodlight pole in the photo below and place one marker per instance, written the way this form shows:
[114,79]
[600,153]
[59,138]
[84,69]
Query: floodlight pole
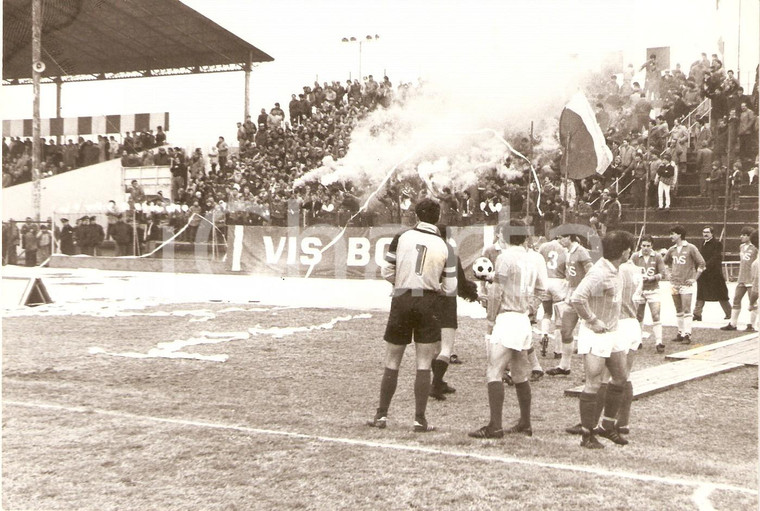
[248,66]
[58,89]
[36,74]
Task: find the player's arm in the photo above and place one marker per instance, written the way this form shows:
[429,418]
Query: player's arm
[589,286]
[660,269]
[638,294]
[449,275]
[698,260]
[388,270]
[495,292]
[467,289]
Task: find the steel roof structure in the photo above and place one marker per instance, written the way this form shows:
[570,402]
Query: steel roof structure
[114,39]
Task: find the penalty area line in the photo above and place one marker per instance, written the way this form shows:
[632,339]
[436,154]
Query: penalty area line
[398,447]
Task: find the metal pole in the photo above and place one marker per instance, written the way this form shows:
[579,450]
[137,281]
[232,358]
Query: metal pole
[527,190]
[36,75]
[247,101]
[58,89]
[567,183]
[739,45]
[646,188]
[360,60]
[731,136]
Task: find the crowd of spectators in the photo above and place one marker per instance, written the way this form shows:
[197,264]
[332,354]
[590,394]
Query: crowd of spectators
[63,157]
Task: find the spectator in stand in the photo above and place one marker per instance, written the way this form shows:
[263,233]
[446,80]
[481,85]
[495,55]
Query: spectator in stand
[667,177]
[652,82]
[13,238]
[639,180]
[610,211]
[242,136]
[735,182]
[122,237]
[97,234]
[704,166]
[720,143]
[160,136]
[747,136]
[679,140]
[29,239]
[223,151]
[715,184]
[711,285]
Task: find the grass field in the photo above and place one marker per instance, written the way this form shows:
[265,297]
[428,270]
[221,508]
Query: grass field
[280,423]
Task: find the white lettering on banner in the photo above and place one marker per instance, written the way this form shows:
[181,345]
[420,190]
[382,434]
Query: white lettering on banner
[310,248]
[358,252]
[273,257]
[380,249]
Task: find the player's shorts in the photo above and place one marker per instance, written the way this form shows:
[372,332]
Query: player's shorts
[683,289]
[513,330]
[556,289]
[414,316]
[602,345]
[448,312]
[565,318]
[630,329]
[651,295]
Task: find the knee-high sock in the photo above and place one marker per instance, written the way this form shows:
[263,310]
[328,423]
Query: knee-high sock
[588,408]
[557,341]
[523,399]
[421,392]
[687,319]
[533,359]
[546,324]
[439,370]
[679,322]
[567,355]
[735,316]
[753,318]
[495,403]
[657,330]
[612,405]
[624,414]
[387,389]
[601,398]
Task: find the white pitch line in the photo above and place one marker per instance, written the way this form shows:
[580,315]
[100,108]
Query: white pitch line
[400,447]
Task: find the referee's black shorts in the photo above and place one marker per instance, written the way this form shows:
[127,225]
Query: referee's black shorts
[414,314]
[448,312]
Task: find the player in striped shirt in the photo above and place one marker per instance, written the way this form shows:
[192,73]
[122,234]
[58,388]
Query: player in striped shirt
[652,269]
[519,283]
[597,301]
[577,264]
[555,255]
[747,256]
[686,264]
[421,268]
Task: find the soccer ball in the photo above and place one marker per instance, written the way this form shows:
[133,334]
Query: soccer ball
[482,268]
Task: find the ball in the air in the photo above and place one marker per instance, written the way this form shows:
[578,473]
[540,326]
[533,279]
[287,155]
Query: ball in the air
[482,268]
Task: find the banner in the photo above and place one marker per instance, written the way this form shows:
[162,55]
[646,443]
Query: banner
[88,125]
[358,254]
[585,150]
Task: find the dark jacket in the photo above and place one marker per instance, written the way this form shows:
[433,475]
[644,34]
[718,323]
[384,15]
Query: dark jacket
[711,286]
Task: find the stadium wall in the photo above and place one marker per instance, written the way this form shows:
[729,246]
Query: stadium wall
[68,193]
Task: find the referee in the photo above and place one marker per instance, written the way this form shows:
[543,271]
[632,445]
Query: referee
[422,268]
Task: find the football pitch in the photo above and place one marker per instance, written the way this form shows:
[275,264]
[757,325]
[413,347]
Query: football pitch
[207,405]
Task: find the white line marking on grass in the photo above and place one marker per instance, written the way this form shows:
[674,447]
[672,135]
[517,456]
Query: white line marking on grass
[701,486]
[701,497]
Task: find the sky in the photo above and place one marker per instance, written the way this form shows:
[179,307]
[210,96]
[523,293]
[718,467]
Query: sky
[526,53]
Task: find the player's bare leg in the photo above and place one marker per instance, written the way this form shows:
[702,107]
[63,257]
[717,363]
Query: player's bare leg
[679,316]
[687,317]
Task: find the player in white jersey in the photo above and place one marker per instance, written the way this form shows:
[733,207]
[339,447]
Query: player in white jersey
[422,269]
[652,268]
[686,265]
[747,256]
[519,283]
[597,301]
[577,264]
[555,255]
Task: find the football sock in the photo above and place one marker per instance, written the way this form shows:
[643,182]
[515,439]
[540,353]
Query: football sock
[735,316]
[546,324]
[533,359]
[679,322]
[387,389]
[624,413]
[612,405]
[439,370]
[421,392]
[687,319]
[567,355]
[601,397]
[523,399]
[495,403]
[657,329]
[753,317]
[588,407]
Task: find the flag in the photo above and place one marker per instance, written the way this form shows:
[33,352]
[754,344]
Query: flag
[585,150]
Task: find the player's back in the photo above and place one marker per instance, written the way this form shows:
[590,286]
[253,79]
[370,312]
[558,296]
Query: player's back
[555,256]
[421,256]
[518,273]
[631,281]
